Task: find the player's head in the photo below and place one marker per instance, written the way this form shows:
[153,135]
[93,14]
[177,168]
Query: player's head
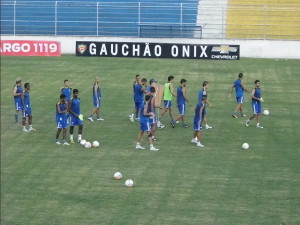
[183,82]
[257,83]
[18,81]
[75,93]
[147,98]
[170,78]
[27,86]
[144,81]
[205,84]
[97,80]
[66,83]
[152,89]
[63,97]
[137,78]
[241,75]
[152,81]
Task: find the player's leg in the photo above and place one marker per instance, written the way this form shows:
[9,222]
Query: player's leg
[237,108]
[72,130]
[30,121]
[57,134]
[24,120]
[139,138]
[64,141]
[80,128]
[258,113]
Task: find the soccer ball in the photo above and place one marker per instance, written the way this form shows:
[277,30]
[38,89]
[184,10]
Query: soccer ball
[117,175]
[95,144]
[88,145]
[266,112]
[245,146]
[128,183]
[82,142]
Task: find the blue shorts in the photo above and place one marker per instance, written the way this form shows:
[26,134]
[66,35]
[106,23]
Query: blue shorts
[240,100]
[145,127]
[198,125]
[256,106]
[62,123]
[181,109]
[167,104]
[26,113]
[75,121]
[97,104]
[18,105]
[138,105]
[152,121]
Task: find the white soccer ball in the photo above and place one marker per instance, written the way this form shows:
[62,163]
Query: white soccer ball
[88,145]
[117,175]
[95,144]
[129,183]
[266,112]
[245,146]
[82,142]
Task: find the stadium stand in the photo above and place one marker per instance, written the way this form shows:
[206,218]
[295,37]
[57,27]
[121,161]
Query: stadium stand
[263,19]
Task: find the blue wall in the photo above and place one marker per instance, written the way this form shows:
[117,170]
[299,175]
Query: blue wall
[115,18]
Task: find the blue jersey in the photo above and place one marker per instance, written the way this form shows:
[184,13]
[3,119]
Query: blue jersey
[26,99]
[143,118]
[138,93]
[257,94]
[197,116]
[150,104]
[75,107]
[180,97]
[239,91]
[98,93]
[67,92]
[19,90]
[200,96]
[61,116]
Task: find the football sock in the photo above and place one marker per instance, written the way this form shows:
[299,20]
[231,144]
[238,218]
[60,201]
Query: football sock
[17,118]
[79,136]
[71,136]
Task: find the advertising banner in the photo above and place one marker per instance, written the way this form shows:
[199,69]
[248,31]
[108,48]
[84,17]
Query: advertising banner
[30,48]
[158,50]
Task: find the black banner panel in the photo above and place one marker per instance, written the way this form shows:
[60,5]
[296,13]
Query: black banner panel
[157,50]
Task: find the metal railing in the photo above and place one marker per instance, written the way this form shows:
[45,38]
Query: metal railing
[188,19]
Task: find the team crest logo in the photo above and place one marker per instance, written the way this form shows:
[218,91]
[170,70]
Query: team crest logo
[81,48]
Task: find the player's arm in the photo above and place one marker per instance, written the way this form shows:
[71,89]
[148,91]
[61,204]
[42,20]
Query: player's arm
[58,108]
[244,87]
[23,100]
[71,111]
[200,111]
[172,90]
[185,95]
[15,91]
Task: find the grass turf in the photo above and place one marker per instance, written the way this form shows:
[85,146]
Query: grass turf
[42,183]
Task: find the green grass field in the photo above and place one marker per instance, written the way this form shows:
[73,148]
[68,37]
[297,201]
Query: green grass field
[43,183]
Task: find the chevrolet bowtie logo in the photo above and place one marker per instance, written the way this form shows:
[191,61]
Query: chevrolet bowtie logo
[224,49]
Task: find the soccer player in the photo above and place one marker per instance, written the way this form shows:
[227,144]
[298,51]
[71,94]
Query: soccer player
[168,94]
[256,104]
[198,119]
[151,109]
[26,109]
[145,125]
[17,92]
[61,119]
[96,99]
[204,88]
[239,92]
[66,90]
[75,118]
[181,102]
[139,89]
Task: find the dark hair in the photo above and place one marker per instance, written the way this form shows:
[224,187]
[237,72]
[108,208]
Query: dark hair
[241,75]
[256,81]
[65,81]
[26,85]
[137,75]
[205,83]
[62,96]
[147,97]
[75,91]
[144,80]
[183,81]
[152,89]
[170,78]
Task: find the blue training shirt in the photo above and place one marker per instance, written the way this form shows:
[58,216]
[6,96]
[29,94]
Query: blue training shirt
[257,94]
[239,91]
[143,118]
[75,107]
[67,92]
[180,97]
[26,99]
[138,93]
[200,96]
[62,107]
